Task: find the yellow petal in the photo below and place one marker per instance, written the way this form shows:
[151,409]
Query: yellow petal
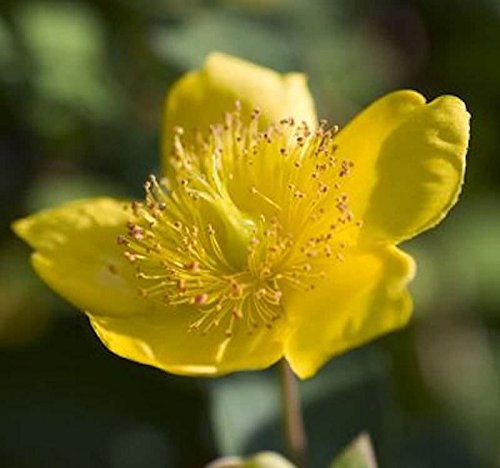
[420,170]
[409,163]
[360,299]
[163,340]
[201,98]
[76,254]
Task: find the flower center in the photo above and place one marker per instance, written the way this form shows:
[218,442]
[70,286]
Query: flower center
[242,216]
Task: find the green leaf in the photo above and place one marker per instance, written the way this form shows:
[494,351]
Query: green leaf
[358,454]
[187,45]
[259,460]
[235,421]
[66,43]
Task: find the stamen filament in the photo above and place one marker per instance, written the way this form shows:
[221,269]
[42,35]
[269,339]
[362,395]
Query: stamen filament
[243,215]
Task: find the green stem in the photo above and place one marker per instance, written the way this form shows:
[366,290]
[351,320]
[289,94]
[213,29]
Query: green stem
[293,422]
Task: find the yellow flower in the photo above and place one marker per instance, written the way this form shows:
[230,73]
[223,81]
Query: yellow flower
[270,235]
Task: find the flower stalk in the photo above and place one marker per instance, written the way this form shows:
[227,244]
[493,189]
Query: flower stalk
[293,421]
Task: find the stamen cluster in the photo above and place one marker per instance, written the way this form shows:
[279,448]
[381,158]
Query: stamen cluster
[242,215]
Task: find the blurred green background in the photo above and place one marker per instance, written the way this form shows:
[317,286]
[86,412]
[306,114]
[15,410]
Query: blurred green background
[81,89]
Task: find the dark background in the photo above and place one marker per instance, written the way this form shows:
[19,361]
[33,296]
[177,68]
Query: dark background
[81,89]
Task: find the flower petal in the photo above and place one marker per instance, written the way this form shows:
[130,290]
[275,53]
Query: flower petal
[421,169]
[76,254]
[360,299]
[201,98]
[409,163]
[163,340]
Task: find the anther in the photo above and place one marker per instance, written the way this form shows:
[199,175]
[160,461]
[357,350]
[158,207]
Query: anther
[237,313]
[200,299]
[181,285]
[122,240]
[193,267]
[132,258]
